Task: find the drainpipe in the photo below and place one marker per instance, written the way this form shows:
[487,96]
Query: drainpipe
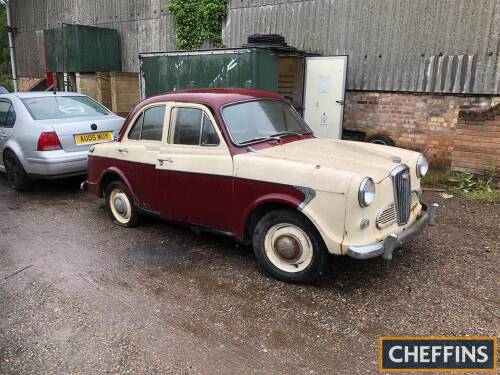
[11,44]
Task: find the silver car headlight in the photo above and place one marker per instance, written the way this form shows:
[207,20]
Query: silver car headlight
[422,166]
[366,194]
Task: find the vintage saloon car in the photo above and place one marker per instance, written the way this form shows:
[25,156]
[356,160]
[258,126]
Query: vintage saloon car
[242,162]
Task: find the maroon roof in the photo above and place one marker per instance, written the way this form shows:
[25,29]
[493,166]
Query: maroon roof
[215,98]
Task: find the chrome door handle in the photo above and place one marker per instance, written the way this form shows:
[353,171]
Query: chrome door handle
[165,160]
[3,135]
[123,150]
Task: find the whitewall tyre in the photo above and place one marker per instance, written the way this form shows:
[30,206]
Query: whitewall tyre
[289,248]
[120,205]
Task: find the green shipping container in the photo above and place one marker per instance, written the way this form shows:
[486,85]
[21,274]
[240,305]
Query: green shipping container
[79,48]
[255,68]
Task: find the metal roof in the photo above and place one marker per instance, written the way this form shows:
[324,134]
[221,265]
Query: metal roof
[443,46]
[439,46]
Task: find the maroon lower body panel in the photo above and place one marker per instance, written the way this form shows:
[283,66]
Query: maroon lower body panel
[218,202]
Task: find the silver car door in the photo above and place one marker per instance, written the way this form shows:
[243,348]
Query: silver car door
[7,120]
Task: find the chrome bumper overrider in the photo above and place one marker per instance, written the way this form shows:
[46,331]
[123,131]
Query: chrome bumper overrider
[387,246]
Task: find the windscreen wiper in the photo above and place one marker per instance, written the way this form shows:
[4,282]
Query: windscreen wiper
[288,133]
[258,139]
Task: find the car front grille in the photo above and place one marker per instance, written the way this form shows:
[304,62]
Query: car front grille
[401,181]
[387,216]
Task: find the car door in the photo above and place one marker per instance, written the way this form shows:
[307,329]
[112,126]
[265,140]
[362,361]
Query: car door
[195,169]
[138,152]
[7,121]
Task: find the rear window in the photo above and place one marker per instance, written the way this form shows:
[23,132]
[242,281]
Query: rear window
[59,107]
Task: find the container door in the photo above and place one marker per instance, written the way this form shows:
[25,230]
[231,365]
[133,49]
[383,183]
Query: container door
[325,80]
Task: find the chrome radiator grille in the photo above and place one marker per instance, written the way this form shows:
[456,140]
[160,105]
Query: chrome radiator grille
[402,193]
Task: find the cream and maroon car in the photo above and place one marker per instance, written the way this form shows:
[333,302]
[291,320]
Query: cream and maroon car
[243,163]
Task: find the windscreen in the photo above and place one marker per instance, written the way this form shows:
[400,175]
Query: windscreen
[60,107]
[261,119]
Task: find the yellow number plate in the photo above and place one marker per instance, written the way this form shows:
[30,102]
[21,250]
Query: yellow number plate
[82,139]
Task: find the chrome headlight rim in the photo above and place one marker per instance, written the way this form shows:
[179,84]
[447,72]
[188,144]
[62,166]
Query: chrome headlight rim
[367,186]
[422,166]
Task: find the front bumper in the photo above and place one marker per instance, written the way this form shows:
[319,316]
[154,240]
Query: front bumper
[387,246]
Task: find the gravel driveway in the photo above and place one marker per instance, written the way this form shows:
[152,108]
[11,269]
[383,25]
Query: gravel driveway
[80,295]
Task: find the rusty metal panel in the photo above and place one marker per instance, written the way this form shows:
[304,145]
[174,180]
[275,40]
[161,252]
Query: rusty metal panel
[394,45]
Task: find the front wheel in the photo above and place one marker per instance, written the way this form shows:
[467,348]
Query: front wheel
[120,205]
[289,248]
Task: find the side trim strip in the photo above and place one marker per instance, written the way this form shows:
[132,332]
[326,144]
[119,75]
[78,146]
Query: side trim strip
[309,195]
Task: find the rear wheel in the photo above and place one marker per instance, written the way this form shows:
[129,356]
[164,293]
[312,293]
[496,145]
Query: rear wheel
[380,139]
[120,205]
[16,175]
[289,248]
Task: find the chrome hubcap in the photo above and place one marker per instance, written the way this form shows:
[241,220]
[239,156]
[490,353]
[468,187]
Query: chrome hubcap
[288,247]
[120,206]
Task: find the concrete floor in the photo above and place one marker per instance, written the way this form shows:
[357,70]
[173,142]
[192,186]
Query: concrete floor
[80,295]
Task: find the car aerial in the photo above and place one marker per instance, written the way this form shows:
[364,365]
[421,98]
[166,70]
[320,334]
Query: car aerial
[242,162]
[48,134]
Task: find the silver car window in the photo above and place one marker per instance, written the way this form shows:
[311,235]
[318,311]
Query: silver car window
[59,107]
[7,114]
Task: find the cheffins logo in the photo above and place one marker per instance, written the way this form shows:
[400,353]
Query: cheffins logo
[444,354]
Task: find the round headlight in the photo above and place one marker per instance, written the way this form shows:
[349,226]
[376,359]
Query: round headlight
[366,194]
[422,166]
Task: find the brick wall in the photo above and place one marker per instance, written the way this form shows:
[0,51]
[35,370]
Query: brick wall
[477,141]
[25,83]
[421,122]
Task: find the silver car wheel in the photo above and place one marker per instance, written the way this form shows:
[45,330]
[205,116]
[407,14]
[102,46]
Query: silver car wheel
[120,206]
[288,247]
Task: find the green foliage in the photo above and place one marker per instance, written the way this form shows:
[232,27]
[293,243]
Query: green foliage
[471,187]
[197,21]
[5,72]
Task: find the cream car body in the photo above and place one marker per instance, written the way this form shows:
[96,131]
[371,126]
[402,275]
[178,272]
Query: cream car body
[334,170]
[306,194]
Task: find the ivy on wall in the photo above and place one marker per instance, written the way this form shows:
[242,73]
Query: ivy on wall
[198,21]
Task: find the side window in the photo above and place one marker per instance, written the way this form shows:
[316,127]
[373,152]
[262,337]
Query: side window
[149,125]
[135,132]
[209,136]
[152,128]
[11,117]
[192,127]
[187,126]
[6,116]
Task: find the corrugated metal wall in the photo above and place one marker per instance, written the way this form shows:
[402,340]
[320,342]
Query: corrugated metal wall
[143,26]
[395,45]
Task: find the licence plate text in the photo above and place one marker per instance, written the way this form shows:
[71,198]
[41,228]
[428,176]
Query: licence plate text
[82,139]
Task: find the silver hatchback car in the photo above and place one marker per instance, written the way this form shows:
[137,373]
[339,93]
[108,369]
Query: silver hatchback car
[48,135]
